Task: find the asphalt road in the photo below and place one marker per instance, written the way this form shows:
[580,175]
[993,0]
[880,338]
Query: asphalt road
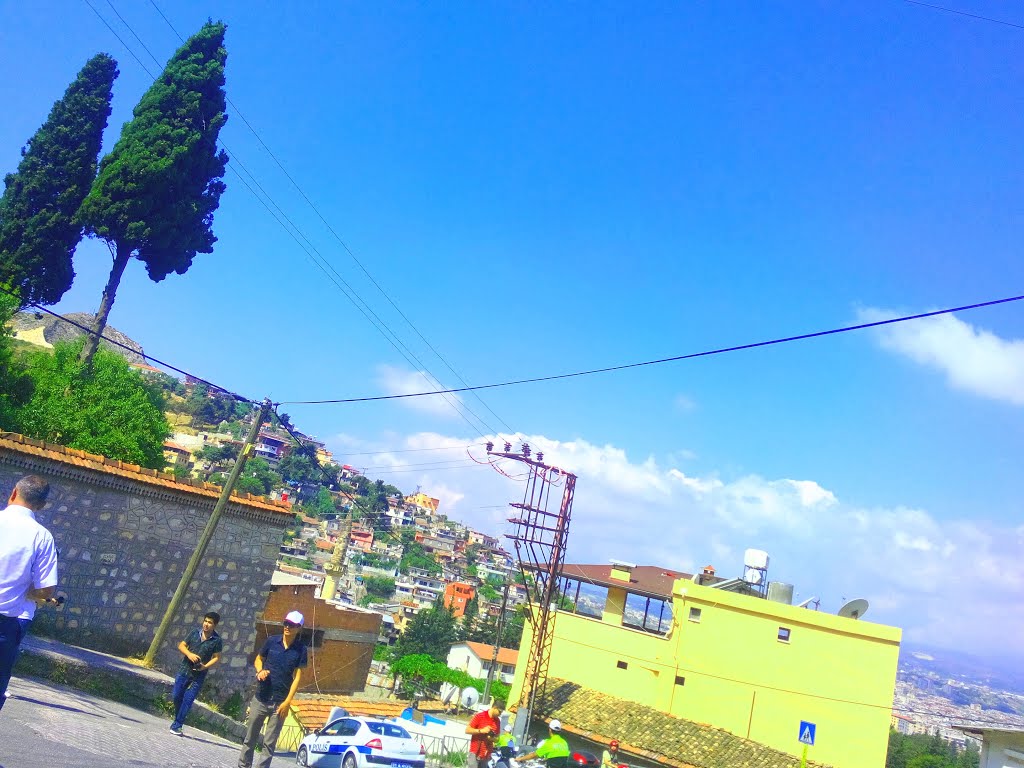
[49,726]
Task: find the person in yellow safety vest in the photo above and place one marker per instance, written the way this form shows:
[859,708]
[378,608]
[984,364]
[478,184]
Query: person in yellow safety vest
[506,745]
[554,750]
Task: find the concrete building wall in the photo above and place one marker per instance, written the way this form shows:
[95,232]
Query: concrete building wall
[727,667]
[346,637]
[1002,749]
[124,538]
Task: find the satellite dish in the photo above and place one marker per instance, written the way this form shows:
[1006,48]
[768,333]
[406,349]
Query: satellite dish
[469,697]
[854,609]
[449,692]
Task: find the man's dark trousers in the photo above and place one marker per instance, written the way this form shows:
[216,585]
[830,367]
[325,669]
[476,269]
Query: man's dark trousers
[11,633]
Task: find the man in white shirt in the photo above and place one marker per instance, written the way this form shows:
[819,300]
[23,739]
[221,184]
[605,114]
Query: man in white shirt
[28,569]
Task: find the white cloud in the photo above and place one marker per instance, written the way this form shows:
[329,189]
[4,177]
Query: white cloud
[400,381]
[973,359]
[958,583]
[684,403]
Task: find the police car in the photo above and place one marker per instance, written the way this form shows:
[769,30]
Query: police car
[360,742]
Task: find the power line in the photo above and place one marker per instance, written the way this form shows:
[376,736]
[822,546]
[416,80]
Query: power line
[119,38]
[348,250]
[676,358]
[965,13]
[343,285]
[116,343]
[414,450]
[319,260]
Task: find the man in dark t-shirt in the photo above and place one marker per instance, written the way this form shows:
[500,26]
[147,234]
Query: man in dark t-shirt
[200,650]
[279,666]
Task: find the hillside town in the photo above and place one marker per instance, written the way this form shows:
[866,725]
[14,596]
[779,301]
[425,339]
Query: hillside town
[720,478]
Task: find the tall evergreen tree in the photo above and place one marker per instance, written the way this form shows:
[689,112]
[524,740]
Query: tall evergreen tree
[157,190]
[38,228]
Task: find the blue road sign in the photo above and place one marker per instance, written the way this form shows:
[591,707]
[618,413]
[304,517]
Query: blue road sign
[807,732]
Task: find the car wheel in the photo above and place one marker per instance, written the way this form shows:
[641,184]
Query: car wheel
[302,757]
[350,761]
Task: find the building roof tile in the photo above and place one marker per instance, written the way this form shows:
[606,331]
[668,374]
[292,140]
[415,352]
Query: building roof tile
[312,711]
[485,652]
[12,441]
[644,579]
[655,735]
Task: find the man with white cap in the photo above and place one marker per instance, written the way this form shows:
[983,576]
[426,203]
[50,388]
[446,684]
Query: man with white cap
[279,666]
[554,750]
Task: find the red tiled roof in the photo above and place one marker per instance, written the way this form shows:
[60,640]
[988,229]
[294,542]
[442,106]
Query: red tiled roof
[12,441]
[172,446]
[655,735]
[312,711]
[647,580]
[325,545]
[485,652]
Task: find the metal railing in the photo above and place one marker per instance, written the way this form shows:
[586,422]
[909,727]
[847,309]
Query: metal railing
[444,751]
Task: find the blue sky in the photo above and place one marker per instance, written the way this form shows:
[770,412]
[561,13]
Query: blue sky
[549,189]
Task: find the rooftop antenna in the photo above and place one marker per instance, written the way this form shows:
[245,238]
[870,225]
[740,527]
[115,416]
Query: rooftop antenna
[854,609]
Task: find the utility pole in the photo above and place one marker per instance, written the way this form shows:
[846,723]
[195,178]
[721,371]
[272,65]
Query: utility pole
[497,643]
[207,535]
[334,568]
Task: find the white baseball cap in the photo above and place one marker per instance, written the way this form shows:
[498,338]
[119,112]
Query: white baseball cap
[295,618]
[555,725]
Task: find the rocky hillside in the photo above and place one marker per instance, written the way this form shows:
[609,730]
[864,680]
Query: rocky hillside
[45,330]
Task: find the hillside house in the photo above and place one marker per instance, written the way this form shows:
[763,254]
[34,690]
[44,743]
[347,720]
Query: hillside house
[475,660]
[751,666]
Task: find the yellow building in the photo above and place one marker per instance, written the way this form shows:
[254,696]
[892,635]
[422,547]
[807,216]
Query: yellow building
[423,501]
[739,662]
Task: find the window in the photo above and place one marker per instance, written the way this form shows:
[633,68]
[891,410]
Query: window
[680,680]
[388,729]
[621,665]
[346,727]
[647,613]
[695,615]
[783,634]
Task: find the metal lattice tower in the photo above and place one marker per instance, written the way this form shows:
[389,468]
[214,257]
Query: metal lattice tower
[540,536]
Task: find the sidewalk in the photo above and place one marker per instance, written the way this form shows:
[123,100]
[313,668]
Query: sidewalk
[112,677]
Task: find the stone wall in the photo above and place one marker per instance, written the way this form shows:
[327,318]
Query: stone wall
[125,536]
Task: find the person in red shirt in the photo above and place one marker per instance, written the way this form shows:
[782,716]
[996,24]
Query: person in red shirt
[483,728]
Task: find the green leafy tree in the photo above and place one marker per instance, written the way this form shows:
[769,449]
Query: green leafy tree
[15,384]
[38,228]
[379,588]
[322,504]
[431,632]
[416,556]
[218,453]
[420,672]
[298,468]
[109,410]
[257,478]
[156,192]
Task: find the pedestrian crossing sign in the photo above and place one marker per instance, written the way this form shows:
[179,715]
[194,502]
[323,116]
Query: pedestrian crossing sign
[807,732]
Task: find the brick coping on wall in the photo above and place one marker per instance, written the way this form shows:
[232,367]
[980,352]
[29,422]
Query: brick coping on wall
[163,480]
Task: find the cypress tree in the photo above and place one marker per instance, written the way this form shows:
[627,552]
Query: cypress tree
[157,190]
[38,229]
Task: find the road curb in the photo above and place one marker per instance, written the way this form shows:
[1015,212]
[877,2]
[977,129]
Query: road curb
[137,687]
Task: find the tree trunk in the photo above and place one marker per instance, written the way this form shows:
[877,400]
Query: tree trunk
[124,253]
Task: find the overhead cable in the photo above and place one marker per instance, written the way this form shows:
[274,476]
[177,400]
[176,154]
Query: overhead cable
[660,361]
[143,355]
[348,250]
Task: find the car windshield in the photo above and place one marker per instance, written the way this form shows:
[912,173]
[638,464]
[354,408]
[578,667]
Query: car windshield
[388,729]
